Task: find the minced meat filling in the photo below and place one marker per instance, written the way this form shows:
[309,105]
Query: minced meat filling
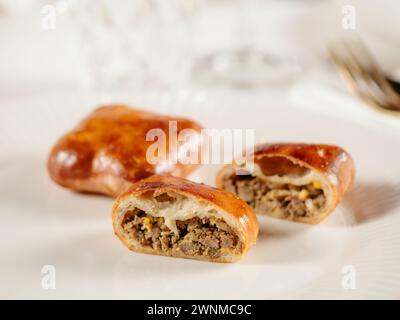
[206,236]
[285,199]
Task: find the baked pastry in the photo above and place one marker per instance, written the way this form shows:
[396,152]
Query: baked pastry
[107,151]
[300,182]
[171,216]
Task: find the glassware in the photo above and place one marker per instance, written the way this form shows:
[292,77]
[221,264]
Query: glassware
[246,63]
[132,45]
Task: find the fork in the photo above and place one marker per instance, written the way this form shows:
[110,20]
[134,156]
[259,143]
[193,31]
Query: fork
[364,76]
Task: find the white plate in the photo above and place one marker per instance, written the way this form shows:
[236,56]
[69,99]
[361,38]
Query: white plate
[355,253]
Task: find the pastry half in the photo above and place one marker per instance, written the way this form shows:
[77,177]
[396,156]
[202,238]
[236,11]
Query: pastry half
[107,151]
[171,216]
[300,182]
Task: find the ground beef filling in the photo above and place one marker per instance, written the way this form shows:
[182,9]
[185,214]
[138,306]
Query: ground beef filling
[284,200]
[208,236]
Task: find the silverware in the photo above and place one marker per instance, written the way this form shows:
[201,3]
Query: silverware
[365,77]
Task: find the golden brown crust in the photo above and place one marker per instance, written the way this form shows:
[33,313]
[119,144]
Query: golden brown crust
[106,152]
[237,209]
[333,163]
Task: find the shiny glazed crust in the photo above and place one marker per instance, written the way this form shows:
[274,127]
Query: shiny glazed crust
[333,164]
[106,152]
[233,210]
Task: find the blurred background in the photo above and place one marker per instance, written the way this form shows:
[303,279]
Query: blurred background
[108,49]
[258,64]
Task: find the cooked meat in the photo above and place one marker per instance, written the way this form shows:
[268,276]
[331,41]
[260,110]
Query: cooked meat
[206,236]
[281,199]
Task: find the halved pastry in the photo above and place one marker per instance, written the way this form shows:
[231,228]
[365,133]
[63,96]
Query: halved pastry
[171,216]
[300,182]
[107,151]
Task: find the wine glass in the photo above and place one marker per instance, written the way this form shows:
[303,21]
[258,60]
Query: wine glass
[248,64]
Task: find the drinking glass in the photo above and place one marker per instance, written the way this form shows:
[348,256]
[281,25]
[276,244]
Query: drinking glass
[251,61]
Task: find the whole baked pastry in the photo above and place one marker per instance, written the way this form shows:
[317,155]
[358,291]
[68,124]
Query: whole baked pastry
[171,216]
[300,182]
[107,151]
